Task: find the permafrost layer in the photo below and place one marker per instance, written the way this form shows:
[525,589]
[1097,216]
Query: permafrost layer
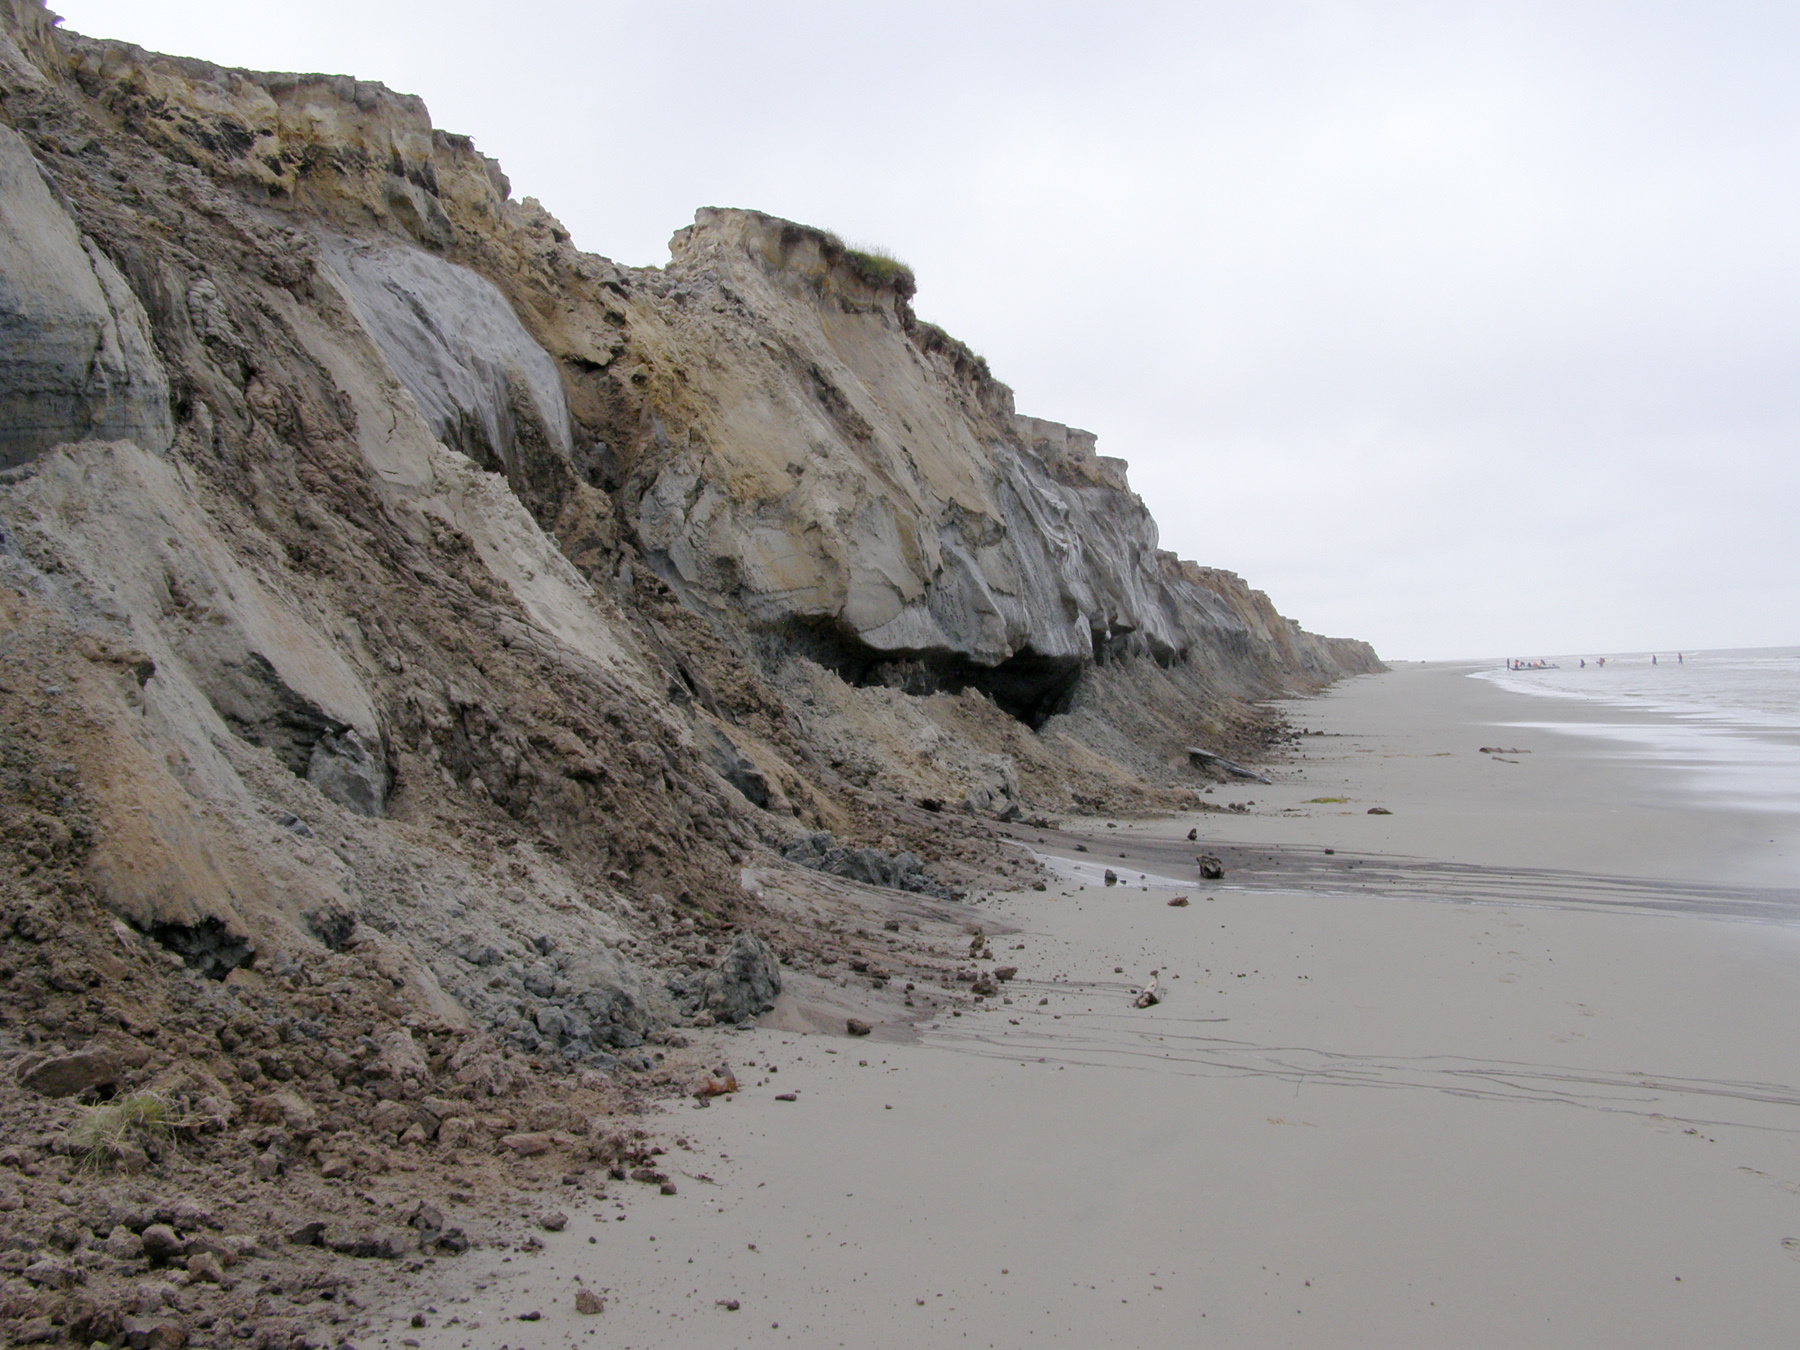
[441,593]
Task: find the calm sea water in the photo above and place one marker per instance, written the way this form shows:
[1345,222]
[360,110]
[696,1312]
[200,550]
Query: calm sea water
[1726,724]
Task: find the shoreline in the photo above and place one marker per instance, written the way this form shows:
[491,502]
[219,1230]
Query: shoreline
[1516,1113]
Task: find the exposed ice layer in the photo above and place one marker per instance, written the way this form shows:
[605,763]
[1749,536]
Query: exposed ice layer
[76,359]
[455,343]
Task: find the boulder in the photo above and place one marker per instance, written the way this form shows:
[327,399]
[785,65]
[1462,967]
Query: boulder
[346,771]
[743,984]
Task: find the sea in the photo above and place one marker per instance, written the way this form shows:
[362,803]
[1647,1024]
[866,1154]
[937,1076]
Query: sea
[1723,725]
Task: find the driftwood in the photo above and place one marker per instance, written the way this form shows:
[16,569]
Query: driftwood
[1211,868]
[1206,759]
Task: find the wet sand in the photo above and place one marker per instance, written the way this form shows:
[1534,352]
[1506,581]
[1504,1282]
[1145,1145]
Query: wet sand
[1511,1066]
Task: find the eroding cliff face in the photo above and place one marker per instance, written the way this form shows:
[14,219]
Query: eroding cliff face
[819,460]
[395,580]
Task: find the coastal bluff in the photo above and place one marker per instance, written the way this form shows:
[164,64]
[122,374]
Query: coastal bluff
[432,651]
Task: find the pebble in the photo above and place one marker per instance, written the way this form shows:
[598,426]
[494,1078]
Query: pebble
[588,1302]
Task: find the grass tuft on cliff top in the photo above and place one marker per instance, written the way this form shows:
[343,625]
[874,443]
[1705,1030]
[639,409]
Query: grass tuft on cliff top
[876,265]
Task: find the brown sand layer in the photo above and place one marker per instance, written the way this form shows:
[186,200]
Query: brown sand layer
[1524,1075]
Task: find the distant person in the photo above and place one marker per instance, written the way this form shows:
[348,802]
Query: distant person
[1584,663]
[1680,660]
[1653,660]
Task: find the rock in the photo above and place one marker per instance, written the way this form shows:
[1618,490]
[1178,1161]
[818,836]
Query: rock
[649,1176]
[1379,811]
[587,1302]
[856,1027]
[872,866]
[1112,877]
[123,1245]
[346,772]
[400,1056]
[667,1188]
[1193,835]
[460,1132]
[51,1274]
[285,1108]
[1211,869]
[390,1118]
[333,1168]
[97,1066]
[787,1096]
[743,985]
[451,1242]
[728,1304]
[427,1218]
[157,1331]
[37,1331]
[414,1134]
[551,1116]
[1179,902]
[160,1242]
[527,1145]
[1004,973]
[1206,759]
[266,1166]
[434,1111]
[77,361]
[1149,997]
[553,1221]
[717,1085]
[205,1266]
[369,1244]
[307,1234]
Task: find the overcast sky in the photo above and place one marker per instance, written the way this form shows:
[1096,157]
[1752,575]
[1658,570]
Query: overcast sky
[1469,329]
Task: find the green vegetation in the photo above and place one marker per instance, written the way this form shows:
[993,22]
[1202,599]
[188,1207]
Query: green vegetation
[879,267]
[1324,800]
[873,264]
[104,1130]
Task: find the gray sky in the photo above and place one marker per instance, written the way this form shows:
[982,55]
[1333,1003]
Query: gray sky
[1469,329]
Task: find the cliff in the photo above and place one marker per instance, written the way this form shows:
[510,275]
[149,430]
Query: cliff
[399,601]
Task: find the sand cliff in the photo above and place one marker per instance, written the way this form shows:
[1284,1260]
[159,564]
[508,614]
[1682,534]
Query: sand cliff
[418,628]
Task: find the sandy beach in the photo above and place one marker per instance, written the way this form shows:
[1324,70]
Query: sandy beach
[1511,1065]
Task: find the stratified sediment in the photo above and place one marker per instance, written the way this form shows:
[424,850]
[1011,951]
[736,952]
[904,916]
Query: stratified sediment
[442,667]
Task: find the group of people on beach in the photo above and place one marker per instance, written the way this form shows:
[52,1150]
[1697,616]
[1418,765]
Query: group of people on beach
[1680,660]
[1515,664]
